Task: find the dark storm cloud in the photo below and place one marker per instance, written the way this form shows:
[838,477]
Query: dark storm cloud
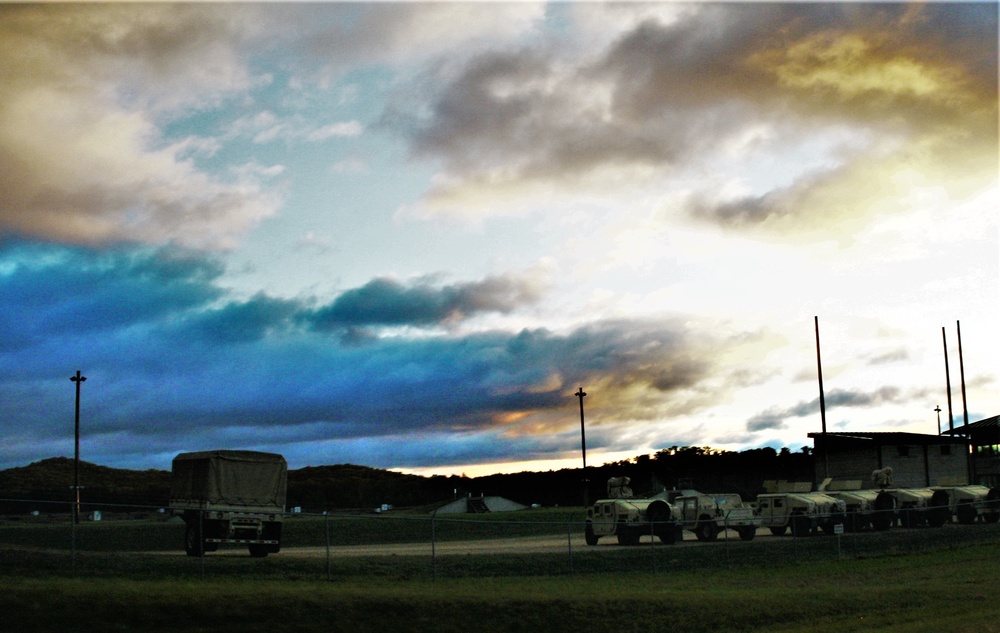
[52,292]
[776,418]
[388,302]
[172,362]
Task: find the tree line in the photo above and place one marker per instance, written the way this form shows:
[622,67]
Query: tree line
[354,487]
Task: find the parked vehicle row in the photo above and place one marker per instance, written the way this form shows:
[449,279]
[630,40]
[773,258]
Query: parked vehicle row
[666,515]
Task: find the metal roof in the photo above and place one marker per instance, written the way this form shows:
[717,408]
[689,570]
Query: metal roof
[985,423]
[888,437]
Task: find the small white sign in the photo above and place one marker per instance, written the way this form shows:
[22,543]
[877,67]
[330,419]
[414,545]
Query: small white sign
[838,528]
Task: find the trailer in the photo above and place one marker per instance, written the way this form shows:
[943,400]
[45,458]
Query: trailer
[230,497]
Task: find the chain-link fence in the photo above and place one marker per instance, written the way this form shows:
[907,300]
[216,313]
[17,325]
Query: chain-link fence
[40,538]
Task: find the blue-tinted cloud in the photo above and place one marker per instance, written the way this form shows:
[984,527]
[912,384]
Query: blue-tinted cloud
[389,302]
[173,362]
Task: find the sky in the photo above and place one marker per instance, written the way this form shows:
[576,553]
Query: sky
[404,235]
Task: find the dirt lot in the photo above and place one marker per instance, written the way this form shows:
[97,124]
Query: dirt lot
[523,545]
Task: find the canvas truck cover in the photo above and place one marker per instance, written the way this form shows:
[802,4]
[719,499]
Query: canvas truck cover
[230,478]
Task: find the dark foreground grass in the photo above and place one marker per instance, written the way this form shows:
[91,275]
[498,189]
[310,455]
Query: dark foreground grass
[950,591]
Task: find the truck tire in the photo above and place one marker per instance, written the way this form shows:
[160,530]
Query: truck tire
[667,536]
[194,544]
[884,515]
[966,513]
[258,550]
[627,536]
[939,511]
[658,516]
[589,536]
[708,529]
[800,525]
[992,511]
[747,533]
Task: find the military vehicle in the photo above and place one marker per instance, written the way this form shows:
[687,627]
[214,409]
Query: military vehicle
[801,511]
[227,496]
[707,514]
[875,509]
[628,518]
[917,506]
[967,503]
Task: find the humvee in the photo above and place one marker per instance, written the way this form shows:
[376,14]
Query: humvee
[707,514]
[630,519]
[875,509]
[800,511]
[968,503]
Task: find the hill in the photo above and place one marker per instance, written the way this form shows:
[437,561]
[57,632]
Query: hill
[349,486]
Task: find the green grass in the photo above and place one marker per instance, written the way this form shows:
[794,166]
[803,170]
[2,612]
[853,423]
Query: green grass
[299,531]
[129,575]
[948,590]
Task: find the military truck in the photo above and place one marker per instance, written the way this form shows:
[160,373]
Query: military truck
[230,496]
[966,503]
[916,507]
[875,509]
[707,514]
[631,519]
[801,511]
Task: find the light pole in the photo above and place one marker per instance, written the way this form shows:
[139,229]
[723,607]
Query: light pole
[79,380]
[583,443]
[937,408]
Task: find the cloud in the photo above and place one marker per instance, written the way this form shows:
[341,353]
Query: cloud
[775,418]
[385,301]
[86,92]
[173,361]
[670,96]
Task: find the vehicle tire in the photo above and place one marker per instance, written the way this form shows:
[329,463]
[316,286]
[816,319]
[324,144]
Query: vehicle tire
[667,536]
[658,516]
[194,545]
[747,533]
[913,517]
[992,512]
[885,510]
[966,513]
[939,511]
[800,525]
[589,536]
[258,550]
[626,535]
[779,531]
[708,530]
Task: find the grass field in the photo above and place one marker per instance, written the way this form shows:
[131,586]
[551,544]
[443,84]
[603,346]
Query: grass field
[905,580]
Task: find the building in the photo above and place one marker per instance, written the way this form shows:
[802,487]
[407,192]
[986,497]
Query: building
[984,438]
[917,460]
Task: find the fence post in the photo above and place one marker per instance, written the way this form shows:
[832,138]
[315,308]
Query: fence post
[326,527]
[569,544]
[201,541]
[725,526]
[73,538]
[433,546]
[652,545]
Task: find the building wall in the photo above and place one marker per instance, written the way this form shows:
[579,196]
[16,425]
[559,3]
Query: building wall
[913,465]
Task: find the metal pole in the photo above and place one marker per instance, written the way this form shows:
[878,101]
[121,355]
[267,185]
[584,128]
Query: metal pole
[79,380]
[819,372]
[961,371]
[822,399]
[947,381]
[937,408]
[583,443]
